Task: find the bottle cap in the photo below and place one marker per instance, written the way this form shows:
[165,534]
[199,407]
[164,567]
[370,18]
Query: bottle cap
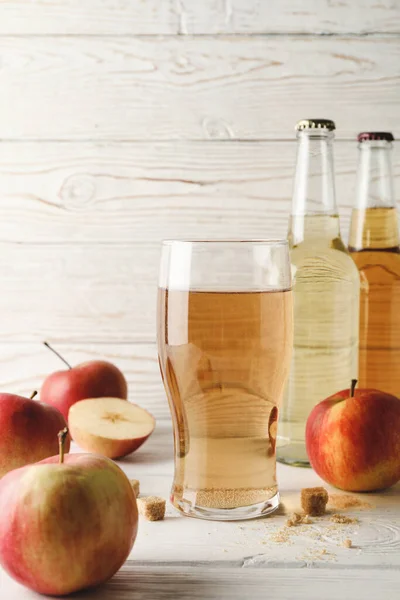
[367,136]
[315,124]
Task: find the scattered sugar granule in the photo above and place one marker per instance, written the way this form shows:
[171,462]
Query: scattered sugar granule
[343,519]
[281,536]
[152,508]
[294,520]
[314,554]
[314,500]
[347,543]
[345,501]
[290,523]
[298,519]
[135,486]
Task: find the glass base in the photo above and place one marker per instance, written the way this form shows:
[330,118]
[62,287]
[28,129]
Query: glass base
[254,511]
[293,462]
[293,454]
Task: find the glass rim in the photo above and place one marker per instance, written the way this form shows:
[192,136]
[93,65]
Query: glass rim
[264,242]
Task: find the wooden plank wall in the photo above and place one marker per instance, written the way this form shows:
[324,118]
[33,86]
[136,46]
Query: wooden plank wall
[123,122]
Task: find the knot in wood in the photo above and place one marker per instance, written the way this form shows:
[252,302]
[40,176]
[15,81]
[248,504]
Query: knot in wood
[78,192]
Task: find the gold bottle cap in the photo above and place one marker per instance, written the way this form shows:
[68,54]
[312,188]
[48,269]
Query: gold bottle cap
[315,124]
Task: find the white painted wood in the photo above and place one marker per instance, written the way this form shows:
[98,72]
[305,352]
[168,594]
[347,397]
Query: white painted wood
[195,88]
[250,544]
[144,192]
[205,583]
[68,211]
[188,558]
[290,16]
[89,17]
[191,16]
[24,367]
[78,293]
[82,215]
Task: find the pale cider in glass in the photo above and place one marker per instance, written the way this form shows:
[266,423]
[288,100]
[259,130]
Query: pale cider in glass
[224,357]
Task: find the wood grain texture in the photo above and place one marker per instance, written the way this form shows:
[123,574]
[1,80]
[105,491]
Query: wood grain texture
[252,545]
[24,367]
[80,293]
[99,193]
[89,17]
[190,16]
[81,225]
[202,583]
[290,16]
[143,192]
[137,150]
[195,88]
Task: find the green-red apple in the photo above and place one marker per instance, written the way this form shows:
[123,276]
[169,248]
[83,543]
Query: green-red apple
[28,431]
[66,526]
[353,439]
[92,379]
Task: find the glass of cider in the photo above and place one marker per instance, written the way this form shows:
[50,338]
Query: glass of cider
[224,343]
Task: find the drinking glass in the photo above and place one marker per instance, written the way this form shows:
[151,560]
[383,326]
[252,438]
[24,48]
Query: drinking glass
[224,344]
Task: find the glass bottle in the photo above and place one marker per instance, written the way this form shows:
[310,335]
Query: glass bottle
[326,292]
[374,246]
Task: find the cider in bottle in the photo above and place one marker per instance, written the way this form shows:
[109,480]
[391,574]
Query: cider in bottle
[325,292]
[374,246]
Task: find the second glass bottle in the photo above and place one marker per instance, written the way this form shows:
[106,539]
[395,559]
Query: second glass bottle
[326,287]
[375,247]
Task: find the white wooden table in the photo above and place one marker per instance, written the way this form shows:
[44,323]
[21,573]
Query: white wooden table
[188,558]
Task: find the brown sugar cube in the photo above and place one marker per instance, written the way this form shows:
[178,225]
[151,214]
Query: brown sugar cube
[314,501]
[347,543]
[135,483]
[151,508]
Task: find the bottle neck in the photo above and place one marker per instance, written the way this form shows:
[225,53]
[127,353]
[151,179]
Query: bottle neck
[374,222]
[314,188]
[374,176]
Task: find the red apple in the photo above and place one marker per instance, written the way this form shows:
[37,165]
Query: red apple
[66,526]
[353,439]
[92,379]
[110,426]
[28,431]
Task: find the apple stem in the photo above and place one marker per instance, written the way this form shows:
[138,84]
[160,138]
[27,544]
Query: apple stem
[57,354]
[353,387]
[61,443]
[34,393]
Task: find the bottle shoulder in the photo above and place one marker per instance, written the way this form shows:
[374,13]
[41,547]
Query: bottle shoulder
[324,261]
[309,248]
[378,264]
[374,228]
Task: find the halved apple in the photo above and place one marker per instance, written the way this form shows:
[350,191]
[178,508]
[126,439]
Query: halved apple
[109,426]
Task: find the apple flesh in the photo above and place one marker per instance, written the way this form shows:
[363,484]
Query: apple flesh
[66,527]
[28,431]
[109,426]
[353,441]
[92,379]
